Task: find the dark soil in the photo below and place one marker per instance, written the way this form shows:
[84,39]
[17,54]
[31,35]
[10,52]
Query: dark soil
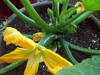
[85,37]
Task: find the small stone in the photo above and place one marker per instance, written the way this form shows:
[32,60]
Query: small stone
[47,70]
[43,69]
[84,42]
[50,24]
[89,47]
[93,41]
[71,39]
[43,72]
[95,47]
[96,35]
[43,66]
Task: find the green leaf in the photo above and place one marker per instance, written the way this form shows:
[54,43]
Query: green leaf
[50,13]
[71,28]
[91,4]
[4,25]
[90,66]
[65,5]
[59,1]
[98,11]
[59,45]
[66,14]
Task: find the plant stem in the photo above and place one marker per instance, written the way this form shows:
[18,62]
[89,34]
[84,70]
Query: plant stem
[36,17]
[54,12]
[83,17]
[21,15]
[65,5]
[29,36]
[11,66]
[53,8]
[66,35]
[72,19]
[57,10]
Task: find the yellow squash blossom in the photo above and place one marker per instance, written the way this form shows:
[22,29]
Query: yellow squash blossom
[33,52]
[81,8]
[39,36]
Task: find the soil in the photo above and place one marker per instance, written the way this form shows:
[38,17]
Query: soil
[84,37]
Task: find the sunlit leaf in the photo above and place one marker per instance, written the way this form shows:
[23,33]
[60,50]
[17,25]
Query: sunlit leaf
[91,4]
[90,66]
[59,1]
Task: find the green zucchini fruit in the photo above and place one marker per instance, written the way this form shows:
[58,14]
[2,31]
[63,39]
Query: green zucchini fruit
[67,52]
[83,50]
[48,39]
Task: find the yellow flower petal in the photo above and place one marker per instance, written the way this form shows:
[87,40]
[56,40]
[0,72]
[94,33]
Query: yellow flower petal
[54,62]
[11,35]
[80,8]
[32,65]
[17,55]
[39,36]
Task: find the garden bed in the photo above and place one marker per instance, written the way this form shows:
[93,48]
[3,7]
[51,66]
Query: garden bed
[84,37]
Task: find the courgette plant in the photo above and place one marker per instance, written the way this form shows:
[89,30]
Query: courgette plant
[61,22]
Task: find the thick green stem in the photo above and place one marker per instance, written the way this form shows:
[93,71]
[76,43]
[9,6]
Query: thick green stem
[57,10]
[72,19]
[83,17]
[67,51]
[11,66]
[53,8]
[21,15]
[65,5]
[36,17]
[29,36]
[54,12]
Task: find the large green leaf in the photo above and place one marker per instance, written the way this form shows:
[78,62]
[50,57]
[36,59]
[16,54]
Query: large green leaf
[90,66]
[91,4]
[59,1]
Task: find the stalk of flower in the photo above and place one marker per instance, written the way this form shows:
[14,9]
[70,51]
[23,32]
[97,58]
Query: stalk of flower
[31,51]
